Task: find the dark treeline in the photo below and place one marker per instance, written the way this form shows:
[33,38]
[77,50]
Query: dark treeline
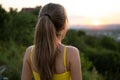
[100,57]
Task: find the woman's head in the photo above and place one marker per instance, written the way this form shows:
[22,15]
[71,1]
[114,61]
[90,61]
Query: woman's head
[50,27]
[57,14]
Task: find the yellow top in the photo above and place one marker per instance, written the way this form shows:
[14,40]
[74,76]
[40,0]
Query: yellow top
[62,76]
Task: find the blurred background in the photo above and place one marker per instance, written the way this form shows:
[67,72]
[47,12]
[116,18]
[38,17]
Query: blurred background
[94,28]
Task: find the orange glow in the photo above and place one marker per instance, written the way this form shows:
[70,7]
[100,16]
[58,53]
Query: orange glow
[95,22]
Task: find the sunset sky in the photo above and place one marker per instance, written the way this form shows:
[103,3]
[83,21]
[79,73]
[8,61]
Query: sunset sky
[80,12]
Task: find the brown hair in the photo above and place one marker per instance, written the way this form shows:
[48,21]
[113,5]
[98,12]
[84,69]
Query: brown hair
[51,22]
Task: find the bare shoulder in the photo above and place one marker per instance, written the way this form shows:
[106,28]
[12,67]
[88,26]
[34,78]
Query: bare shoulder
[72,51]
[27,53]
[74,63]
[72,54]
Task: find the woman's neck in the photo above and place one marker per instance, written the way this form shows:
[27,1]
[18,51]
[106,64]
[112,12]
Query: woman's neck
[59,40]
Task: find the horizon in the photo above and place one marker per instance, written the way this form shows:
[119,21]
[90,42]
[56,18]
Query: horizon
[105,26]
[83,12]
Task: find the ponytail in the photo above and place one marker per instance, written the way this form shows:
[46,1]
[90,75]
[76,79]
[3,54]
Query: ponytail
[45,47]
[51,22]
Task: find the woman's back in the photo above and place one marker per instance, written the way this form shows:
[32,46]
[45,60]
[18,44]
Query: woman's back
[71,61]
[62,67]
[61,71]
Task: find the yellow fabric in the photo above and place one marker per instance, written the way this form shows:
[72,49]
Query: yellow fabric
[65,57]
[62,76]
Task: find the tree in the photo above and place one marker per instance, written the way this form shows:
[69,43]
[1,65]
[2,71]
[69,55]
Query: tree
[108,43]
[3,19]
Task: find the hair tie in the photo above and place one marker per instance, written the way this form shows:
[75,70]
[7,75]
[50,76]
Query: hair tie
[48,16]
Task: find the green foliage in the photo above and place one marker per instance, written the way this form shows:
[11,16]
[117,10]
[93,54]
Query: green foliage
[81,33]
[86,64]
[88,71]
[3,19]
[103,53]
[17,25]
[108,43]
[92,75]
[26,28]
[16,33]
[91,41]
[36,11]
[11,56]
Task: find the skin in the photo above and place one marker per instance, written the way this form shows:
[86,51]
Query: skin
[73,62]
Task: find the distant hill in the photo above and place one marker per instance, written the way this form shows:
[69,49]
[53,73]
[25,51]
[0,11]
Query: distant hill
[111,27]
[102,27]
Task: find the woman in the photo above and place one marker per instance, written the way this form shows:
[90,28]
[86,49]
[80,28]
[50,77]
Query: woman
[49,59]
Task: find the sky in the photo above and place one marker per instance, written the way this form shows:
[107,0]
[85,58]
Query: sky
[80,12]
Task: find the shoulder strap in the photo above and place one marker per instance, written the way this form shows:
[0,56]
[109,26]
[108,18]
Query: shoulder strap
[65,57]
[31,55]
